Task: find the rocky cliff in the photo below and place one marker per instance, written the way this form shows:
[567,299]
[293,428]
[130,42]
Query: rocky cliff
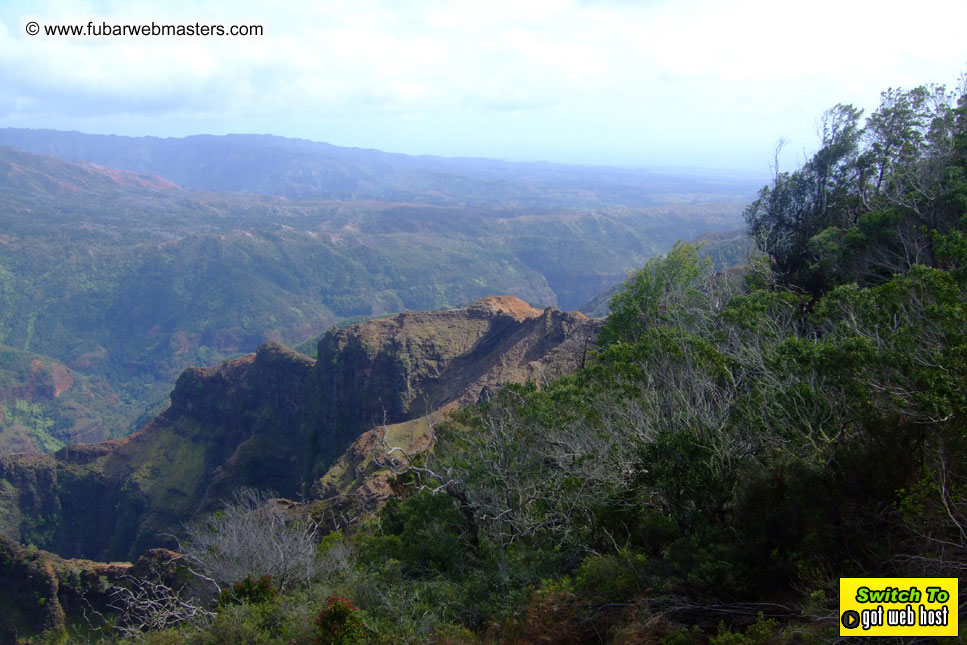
[277,420]
[42,591]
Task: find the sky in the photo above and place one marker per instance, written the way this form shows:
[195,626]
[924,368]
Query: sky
[707,84]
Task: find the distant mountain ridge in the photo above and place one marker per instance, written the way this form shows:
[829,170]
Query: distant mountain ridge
[52,176]
[302,169]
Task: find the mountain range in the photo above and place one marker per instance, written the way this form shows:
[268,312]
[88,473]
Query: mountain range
[704,464]
[301,169]
[131,268]
[126,278]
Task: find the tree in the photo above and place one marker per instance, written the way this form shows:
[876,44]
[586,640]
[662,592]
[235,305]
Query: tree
[806,202]
[254,535]
[150,604]
[651,293]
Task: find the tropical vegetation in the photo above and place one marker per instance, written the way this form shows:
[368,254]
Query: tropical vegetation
[737,443]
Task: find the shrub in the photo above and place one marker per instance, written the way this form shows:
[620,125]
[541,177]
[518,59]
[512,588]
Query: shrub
[612,578]
[249,590]
[339,623]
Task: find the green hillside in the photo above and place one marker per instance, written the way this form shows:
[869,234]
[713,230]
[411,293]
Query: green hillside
[130,279]
[44,404]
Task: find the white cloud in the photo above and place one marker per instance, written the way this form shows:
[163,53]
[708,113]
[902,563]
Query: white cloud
[711,82]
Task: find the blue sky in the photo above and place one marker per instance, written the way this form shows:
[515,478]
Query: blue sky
[686,83]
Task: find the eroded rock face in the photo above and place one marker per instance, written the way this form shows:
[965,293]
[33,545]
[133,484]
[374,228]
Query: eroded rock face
[277,420]
[233,425]
[440,360]
[41,590]
[417,362]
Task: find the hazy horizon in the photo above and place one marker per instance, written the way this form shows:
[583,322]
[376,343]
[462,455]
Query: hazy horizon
[682,86]
[711,172]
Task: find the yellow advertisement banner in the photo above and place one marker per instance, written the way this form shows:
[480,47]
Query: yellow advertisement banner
[898,606]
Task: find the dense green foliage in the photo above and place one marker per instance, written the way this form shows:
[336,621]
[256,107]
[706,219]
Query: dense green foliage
[718,252]
[734,440]
[249,590]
